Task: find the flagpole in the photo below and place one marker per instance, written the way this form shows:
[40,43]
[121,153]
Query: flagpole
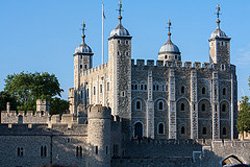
[102,33]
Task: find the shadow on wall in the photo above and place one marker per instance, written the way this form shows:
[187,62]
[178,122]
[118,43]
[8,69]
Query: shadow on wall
[37,145]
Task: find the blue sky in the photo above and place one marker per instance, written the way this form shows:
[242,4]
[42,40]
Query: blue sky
[37,36]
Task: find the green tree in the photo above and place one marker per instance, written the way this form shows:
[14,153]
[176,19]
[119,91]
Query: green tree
[243,123]
[27,87]
[4,98]
[58,106]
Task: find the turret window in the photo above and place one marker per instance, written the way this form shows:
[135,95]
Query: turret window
[126,42]
[80,66]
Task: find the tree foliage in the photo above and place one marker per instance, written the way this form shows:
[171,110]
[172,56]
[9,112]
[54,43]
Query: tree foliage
[243,123]
[58,106]
[27,87]
[4,98]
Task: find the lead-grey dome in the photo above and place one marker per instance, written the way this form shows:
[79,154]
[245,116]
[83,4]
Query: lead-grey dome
[218,33]
[119,31]
[169,47]
[83,49]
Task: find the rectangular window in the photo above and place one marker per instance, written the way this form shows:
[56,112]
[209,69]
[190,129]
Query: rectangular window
[108,86]
[107,151]
[96,150]
[100,88]
[20,151]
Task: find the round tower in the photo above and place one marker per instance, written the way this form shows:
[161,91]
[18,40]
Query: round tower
[99,136]
[169,51]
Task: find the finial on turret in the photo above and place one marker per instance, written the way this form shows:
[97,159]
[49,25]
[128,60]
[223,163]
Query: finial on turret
[169,29]
[218,15]
[120,11]
[83,31]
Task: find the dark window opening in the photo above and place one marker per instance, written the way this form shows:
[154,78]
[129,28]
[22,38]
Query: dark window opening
[160,107]
[138,105]
[157,87]
[161,128]
[141,87]
[135,87]
[107,151]
[94,90]
[204,130]
[80,66]
[182,130]
[96,150]
[182,90]
[203,91]
[145,87]
[20,151]
[153,87]
[223,108]
[203,107]
[138,130]
[224,91]
[100,88]
[85,66]
[182,106]
[43,151]
[108,86]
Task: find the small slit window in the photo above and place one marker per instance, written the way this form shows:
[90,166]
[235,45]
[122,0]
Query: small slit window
[224,131]
[160,105]
[223,108]
[138,105]
[204,130]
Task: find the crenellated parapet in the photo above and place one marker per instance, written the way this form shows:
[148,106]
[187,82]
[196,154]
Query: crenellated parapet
[176,65]
[94,70]
[99,112]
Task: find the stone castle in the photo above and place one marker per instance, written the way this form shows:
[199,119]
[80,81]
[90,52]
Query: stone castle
[131,113]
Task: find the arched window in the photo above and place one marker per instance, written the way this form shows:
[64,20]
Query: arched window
[160,105]
[204,130]
[141,86]
[138,105]
[224,131]
[203,91]
[182,90]
[203,107]
[135,87]
[157,87]
[145,87]
[223,108]
[161,128]
[138,130]
[182,106]
[182,130]
[224,91]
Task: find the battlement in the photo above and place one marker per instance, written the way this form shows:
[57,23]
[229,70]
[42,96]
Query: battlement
[179,64]
[95,69]
[42,129]
[99,112]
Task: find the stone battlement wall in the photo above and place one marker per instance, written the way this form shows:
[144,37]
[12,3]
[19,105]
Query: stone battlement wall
[187,64]
[95,69]
[43,129]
